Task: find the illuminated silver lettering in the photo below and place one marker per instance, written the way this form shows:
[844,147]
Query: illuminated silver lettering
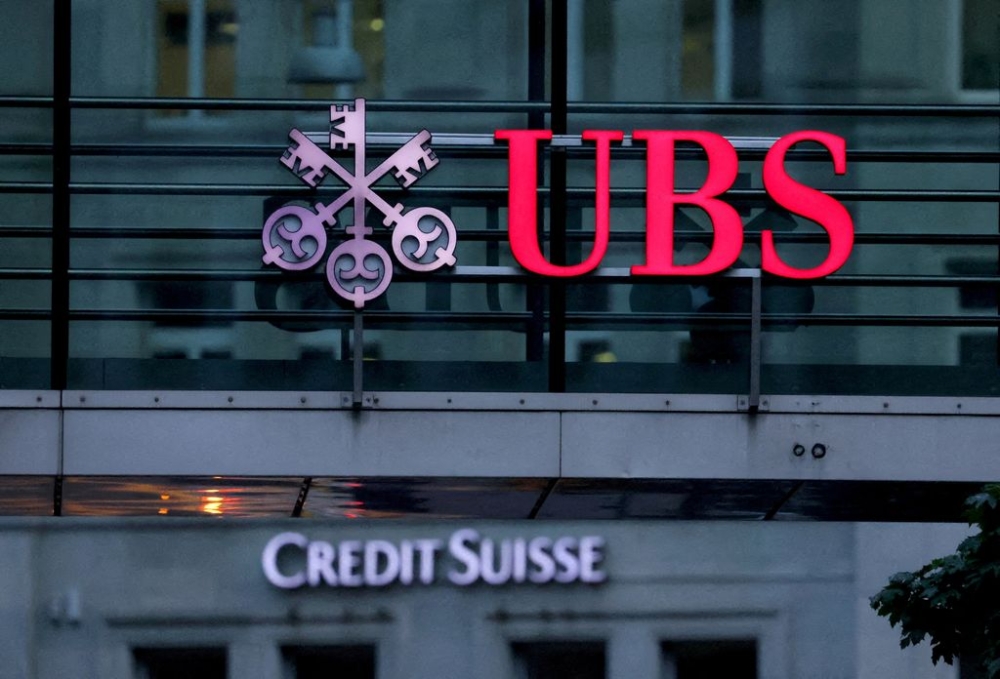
[493,573]
[290,560]
[319,564]
[463,554]
[426,549]
[569,567]
[519,569]
[269,560]
[406,562]
[591,554]
[350,576]
[375,550]
[541,559]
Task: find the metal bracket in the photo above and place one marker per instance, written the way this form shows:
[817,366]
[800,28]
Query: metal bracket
[57,497]
[753,403]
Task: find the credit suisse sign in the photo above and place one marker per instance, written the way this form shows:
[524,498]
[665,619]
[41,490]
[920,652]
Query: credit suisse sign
[295,237]
[291,560]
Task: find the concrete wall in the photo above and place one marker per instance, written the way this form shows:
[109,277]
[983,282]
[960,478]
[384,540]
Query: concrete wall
[77,596]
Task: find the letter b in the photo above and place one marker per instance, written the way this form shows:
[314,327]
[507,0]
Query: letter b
[662,199]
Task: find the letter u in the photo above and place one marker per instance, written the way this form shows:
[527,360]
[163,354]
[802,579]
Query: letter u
[522,213]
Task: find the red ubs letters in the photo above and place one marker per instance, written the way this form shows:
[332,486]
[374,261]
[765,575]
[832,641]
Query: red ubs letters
[661,198]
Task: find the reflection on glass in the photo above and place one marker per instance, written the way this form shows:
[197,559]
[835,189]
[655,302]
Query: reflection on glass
[980,46]
[26,49]
[663,499]
[179,496]
[414,498]
[222,324]
[24,350]
[196,48]
[26,495]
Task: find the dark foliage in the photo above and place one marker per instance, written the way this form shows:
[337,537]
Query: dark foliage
[955,600]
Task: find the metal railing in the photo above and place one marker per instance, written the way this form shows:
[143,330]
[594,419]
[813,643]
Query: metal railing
[546,314]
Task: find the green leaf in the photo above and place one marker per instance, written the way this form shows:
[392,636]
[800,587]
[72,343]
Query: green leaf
[952,601]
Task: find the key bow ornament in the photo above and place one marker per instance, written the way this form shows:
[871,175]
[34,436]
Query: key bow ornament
[358,270]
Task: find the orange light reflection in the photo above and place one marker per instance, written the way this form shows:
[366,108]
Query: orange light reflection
[212,504]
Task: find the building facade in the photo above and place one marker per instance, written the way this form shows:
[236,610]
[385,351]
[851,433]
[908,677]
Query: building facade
[755,454]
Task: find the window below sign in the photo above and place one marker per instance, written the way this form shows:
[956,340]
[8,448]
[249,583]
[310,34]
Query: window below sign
[707,659]
[323,662]
[180,663]
[560,659]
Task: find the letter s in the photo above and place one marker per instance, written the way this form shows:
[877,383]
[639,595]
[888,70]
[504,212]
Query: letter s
[809,203]
[541,559]
[461,553]
[568,567]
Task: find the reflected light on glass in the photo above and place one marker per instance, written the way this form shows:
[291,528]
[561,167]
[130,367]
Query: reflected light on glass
[26,496]
[180,496]
[212,504]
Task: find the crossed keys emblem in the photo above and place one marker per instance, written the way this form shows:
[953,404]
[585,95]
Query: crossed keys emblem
[359,269]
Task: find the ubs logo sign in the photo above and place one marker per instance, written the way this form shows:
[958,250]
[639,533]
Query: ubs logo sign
[359,269]
[424,238]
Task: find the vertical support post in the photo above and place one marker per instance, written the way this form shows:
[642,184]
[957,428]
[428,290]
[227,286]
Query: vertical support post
[755,338]
[61,155]
[300,501]
[437,295]
[575,44]
[359,359]
[536,60]
[723,50]
[558,197]
[196,38]
[493,257]
[345,41]
[57,496]
[535,293]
